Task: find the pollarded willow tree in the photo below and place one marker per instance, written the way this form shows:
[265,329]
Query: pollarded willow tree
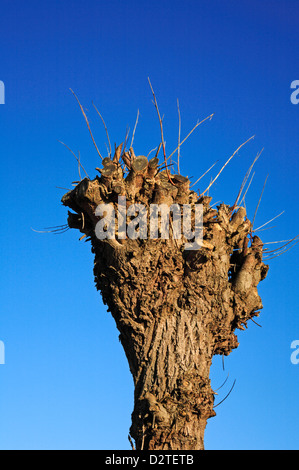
[175,308]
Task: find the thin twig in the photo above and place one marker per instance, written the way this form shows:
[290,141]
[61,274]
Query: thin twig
[236,151]
[259,201]
[284,251]
[226,395]
[125,141]
[263,229]
[261,226]
[61,187]
[204,174]
[110,150]
[62,231]
[133,135]
[56,226]
[282,246]
[57,231]
[179,136]
[213,205]
[161,167]
[161,129]
[151,151]
[249,184]
[79,165]
[131,442]
[209,186]
[222,384]
[246,178]
[278,241]
[143,433]
[78,160]
[256,322]
[192,130]
[159,148]
[86,120]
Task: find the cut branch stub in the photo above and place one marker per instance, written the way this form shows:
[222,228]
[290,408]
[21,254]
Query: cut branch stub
[174,308]
[182,184]
[132,153]
[138,171]
[108,172]
[117,153]
[152,167]
[139,165]
[106,161]
[127,158]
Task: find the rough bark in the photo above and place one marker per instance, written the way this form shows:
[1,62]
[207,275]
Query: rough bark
[175,309]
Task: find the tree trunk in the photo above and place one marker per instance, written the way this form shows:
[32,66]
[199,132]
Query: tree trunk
[174,308]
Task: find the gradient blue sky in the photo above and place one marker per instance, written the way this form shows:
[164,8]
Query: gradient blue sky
[66,383]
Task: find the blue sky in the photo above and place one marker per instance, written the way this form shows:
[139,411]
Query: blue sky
[66,383]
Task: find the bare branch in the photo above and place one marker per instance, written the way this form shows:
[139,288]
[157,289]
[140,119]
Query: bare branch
[151,151]
[249,184]
[192,130]
[179,136]
[262,230]
[86,120]
[161,129]
[126,139]
[56,226]
[159,148]
[79,165]
[216,390]
[246,178]
[256,322]
[271,220]
[236,151]
[283,251]
[204,174]
[133,135]
[258,204]
[281,247]
[131,442]
[78,159]
[226,395]
[64,228]
[278,241]
[110,150]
